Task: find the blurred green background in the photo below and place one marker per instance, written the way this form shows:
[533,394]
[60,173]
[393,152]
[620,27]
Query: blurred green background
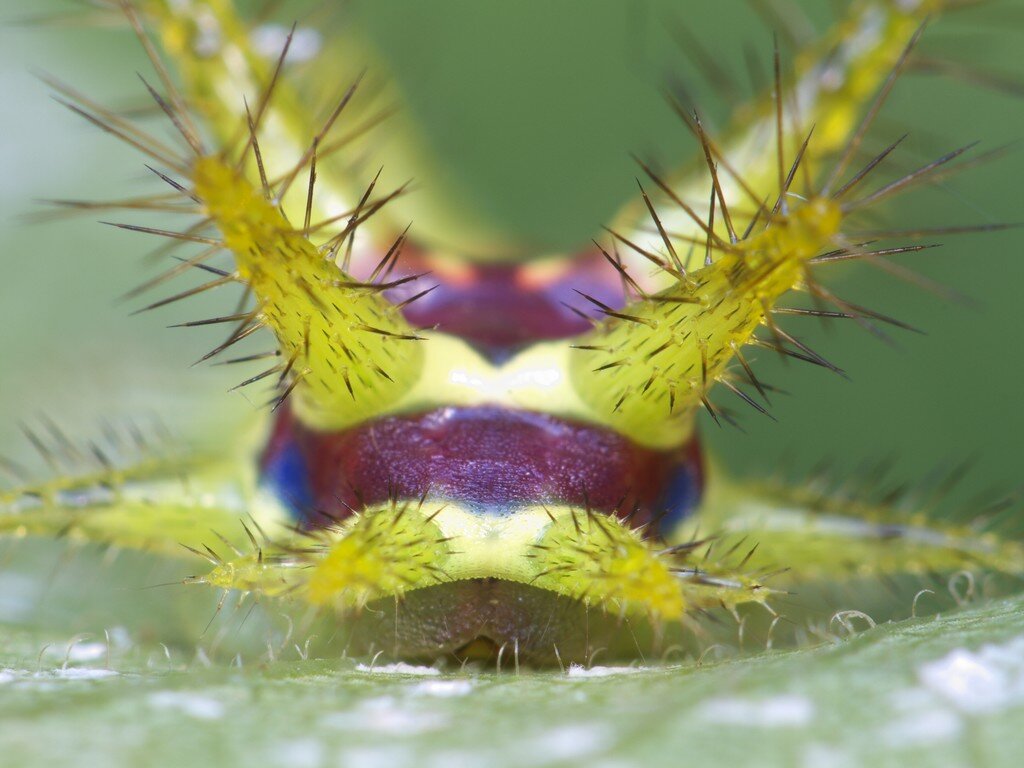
[529,111]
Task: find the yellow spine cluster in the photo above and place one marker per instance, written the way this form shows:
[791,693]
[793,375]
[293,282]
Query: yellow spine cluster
[658,358]
[349,352]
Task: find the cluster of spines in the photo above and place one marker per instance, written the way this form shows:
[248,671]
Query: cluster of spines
[344,349]
[78,471]
[659,357]
[606,563]
[377,552]
[926,530]
[128,487]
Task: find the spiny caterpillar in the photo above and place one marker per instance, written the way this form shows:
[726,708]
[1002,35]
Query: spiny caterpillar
[493,456]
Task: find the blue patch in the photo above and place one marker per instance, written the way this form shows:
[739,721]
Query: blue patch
[286,473]
[681,496]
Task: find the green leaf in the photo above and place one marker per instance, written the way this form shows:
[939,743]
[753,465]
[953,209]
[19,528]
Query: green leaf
[941,691]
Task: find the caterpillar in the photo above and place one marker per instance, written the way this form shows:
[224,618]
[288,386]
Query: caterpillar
[470,450]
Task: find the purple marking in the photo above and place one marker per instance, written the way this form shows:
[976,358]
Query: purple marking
[502,307]
[490,459]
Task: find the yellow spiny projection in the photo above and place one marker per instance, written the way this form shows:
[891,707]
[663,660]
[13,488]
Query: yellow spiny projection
[603,562]
[830,85]
[656,360]
[378,554]
[218,86]
[348,352]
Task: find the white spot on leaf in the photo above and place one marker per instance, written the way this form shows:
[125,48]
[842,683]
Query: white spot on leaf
[442,688]
[976,682]
[922,729]
[399,668]
[575,671]
[386,715]
[569,742]
[788,711]
[191,704]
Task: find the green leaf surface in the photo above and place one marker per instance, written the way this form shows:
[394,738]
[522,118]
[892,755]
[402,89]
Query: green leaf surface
[944,691]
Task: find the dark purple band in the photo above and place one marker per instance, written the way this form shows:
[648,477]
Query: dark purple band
[489,459]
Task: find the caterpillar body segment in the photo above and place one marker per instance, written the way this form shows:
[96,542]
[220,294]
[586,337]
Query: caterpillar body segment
[383,553]
[751,544]
[215,513]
